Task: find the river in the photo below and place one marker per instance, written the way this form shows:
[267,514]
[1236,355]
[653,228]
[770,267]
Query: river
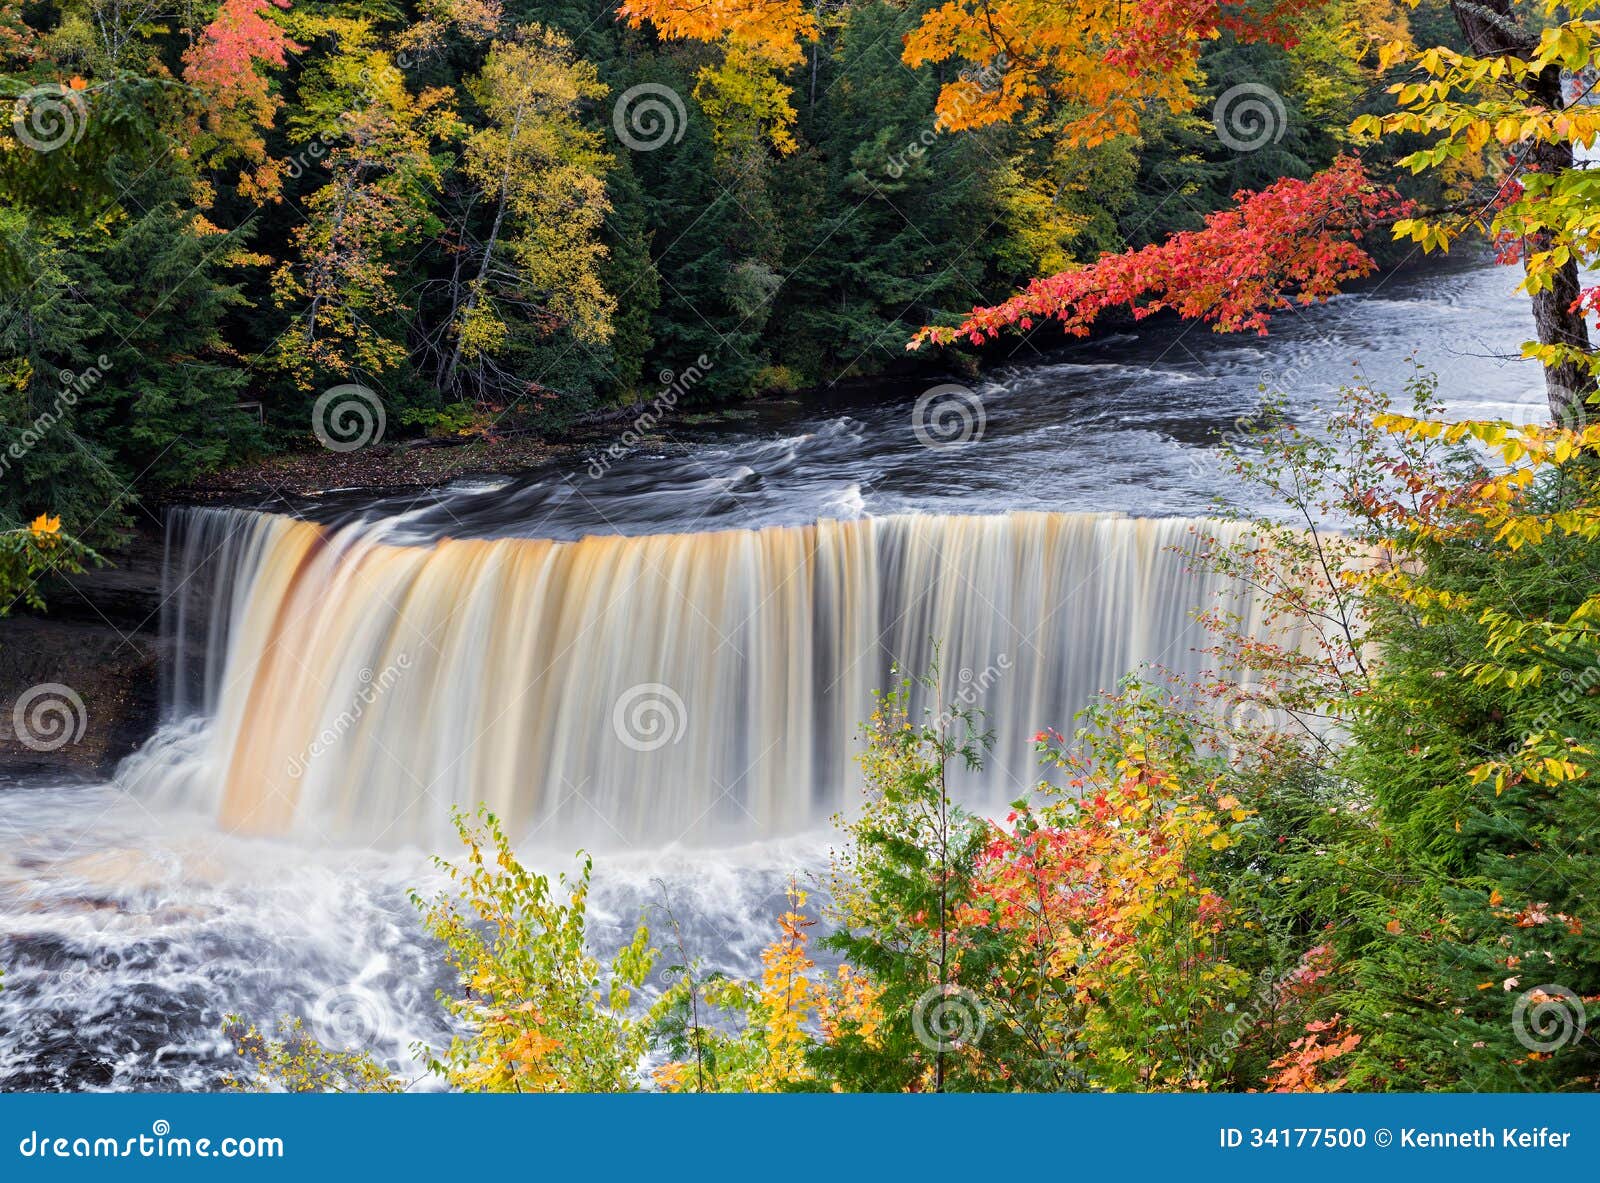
[658,652]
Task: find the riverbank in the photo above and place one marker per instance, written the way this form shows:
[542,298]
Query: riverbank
[418,464]
[398,466]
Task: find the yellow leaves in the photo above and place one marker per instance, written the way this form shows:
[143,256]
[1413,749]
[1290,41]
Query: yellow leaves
[1393,928]
[1482,773]
[1392,54]
[1545,758]
[1554,771]
[1366,128]
[852,1003]
[1571,44]
[1518,532]
[1429,235]
[528,1055]
[746,101]
[531,995]
[45,528]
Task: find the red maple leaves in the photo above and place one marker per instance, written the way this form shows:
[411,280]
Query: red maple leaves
[221,64]
[1293,242]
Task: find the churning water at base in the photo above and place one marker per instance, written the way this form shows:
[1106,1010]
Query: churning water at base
[635,691]
[131,936]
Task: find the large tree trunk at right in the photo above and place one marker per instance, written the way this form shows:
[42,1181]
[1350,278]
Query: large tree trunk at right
[1492,30]
[1567,384]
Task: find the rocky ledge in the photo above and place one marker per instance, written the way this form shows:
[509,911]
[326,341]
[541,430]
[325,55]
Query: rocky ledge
[79,684]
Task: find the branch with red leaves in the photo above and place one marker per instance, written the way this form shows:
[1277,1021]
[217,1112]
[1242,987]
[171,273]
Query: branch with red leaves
[1293,242]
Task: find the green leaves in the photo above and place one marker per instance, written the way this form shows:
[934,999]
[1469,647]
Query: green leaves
[540,1014]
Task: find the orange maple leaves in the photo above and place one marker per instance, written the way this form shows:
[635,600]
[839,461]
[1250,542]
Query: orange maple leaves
[1088,66]
[770,29]
[1104,60]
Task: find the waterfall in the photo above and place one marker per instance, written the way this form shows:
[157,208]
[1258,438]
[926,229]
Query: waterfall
[621,691]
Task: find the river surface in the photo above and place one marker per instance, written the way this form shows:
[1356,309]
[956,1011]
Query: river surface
[132,920]
[1128,423]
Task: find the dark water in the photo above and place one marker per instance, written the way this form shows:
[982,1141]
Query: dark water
[1129,423]
[126,935]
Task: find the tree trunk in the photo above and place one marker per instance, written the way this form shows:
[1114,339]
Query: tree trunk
[476,289]
[1567,383]
[1492,30]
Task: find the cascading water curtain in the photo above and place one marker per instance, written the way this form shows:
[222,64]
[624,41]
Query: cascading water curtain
[641,690]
